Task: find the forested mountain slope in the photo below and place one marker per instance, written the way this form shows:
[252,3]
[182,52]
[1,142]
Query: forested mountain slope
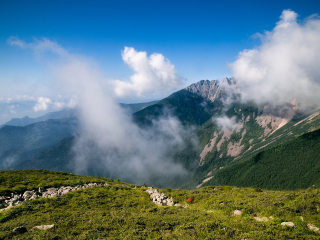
[291,165]
[255,131]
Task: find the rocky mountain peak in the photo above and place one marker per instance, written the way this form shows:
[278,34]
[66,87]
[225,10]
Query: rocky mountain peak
[209,89]
[230,81]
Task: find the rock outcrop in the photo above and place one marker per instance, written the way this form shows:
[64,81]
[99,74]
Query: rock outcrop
[312,227]
[42,227]
[288,224]
[261,219]
[237,212]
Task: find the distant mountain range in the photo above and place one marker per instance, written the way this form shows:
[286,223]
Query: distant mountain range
[70,113]
[22,143]
[24,138]
[241,154]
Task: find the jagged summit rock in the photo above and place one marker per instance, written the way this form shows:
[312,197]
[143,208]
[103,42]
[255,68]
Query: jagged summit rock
[209,89]
[206,89]
[230,81]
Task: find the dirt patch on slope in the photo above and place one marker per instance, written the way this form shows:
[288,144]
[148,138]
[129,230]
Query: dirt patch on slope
[234,149]
[208,147]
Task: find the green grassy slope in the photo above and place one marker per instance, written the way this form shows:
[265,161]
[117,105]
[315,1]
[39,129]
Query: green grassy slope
[124,211]
[291,165]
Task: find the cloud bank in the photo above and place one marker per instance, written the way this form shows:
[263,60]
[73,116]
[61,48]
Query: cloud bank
[226,123]
[45,103]
[151,74]
[285,66]
[110,143]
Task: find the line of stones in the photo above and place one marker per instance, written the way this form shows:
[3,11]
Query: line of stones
[7,202]
[160,198]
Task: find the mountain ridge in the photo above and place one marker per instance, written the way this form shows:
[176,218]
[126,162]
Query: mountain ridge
[253,129]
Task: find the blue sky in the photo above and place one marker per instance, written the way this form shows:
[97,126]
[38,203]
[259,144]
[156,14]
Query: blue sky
[199,38]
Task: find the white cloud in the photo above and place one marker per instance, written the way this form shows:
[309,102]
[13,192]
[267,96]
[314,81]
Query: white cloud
[152,75]
[65,103]
[226,123]
[39,46]
[16,41]
[42,104]
[18,98]
[285,66]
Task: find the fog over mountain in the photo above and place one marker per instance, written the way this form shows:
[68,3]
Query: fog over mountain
[285,66]
[109,141]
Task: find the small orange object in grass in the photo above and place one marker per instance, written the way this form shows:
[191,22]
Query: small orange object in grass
[190,199]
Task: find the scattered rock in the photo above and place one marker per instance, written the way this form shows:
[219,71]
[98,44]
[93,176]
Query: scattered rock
[27,195]
[237,212]
[312,227]
[42,227]
[20,229]
[41,189]
[35,195]
[289,224]
[261,219]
